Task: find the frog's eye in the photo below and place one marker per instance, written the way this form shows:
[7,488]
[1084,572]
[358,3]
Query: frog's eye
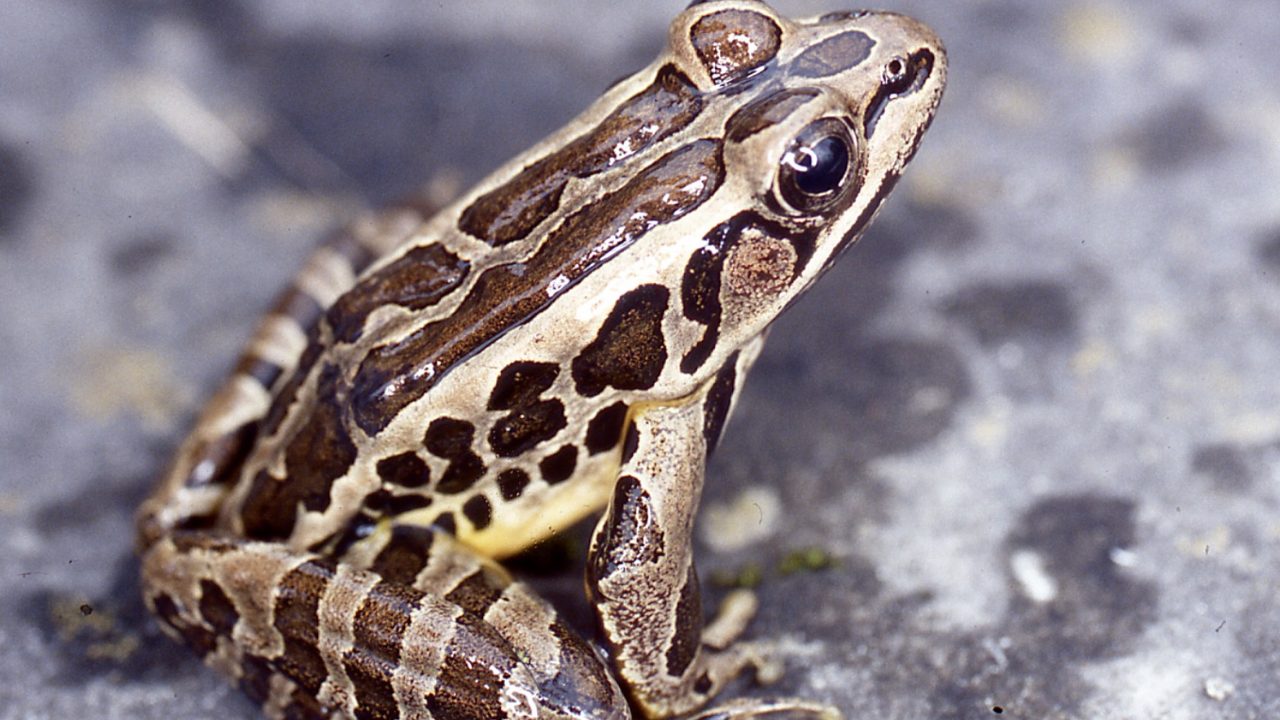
[818,167]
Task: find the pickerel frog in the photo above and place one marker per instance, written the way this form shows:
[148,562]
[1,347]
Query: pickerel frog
[437,391]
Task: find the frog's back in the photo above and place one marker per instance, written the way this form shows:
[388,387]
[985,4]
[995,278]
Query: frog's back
[479,376]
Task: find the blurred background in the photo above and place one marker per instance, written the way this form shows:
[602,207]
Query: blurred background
[1018,455]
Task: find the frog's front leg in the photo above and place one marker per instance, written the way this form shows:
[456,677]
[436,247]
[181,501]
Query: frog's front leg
[641,575]
[410,625]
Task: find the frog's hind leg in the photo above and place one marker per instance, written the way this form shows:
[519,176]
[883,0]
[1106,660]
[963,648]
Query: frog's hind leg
[641,576]
[194,487]
[420,627]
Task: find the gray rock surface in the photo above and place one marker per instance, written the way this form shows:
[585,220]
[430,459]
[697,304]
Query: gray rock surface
[1033,420]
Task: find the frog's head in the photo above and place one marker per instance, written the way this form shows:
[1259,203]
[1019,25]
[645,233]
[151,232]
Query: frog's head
[820,116]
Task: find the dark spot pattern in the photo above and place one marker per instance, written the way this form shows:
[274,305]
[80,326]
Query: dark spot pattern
[320,453]
[404,555]
[512,211]
[446,523]
[520,383]
[393,376]
[524,429]
[688,630]
[195,636]
[834,55]
[405,470]
[384,503]
[512,483]
[559,466]
[630,535]
[532,421]
[732,44]
[700,298]
[766,111]
[217,609]
[450,439]
[479,511]
[629,352]
[604,431]
[718,403]
[703,275]
[417,280]
[297,620]
[287,395]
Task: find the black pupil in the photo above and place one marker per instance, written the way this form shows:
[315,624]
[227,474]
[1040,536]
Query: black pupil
[820,167]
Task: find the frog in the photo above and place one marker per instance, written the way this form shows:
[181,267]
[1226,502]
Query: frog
[443,386]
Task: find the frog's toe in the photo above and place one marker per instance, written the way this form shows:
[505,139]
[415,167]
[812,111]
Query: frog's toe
[731,621]
[777,709]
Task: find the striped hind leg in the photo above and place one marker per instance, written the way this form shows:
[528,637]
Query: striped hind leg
[310,637]
[205,467]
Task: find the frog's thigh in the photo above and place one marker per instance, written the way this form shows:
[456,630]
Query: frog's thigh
[204,470]
[305,634]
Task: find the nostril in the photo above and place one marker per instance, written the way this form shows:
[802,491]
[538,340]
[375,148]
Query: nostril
[901,77]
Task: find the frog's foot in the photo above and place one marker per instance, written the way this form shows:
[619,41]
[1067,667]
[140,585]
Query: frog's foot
[726,657]
[758,709]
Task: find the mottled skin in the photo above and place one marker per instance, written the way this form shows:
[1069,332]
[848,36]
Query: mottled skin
[438,390]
